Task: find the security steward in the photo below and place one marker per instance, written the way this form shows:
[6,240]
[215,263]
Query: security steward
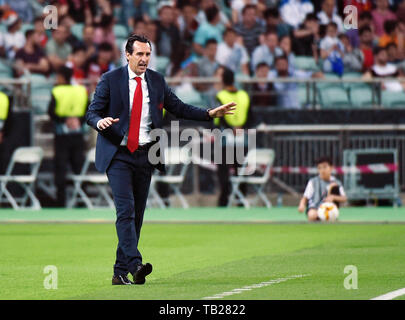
[4,114]
[241,119]
[67,110]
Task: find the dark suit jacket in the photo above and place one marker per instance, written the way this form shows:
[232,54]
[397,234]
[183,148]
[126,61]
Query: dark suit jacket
[111,99]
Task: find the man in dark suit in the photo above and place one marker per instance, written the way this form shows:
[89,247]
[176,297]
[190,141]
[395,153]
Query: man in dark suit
[127,105]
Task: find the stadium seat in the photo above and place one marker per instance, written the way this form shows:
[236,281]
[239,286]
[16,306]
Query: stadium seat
[189,95]
[5,70]
[361,97]
[391,99]
[41,88]
[322,85]
[352,75]
[177,161]
[333,98]
[23,155]
[257,160]
[120,31]
[77,30]
[161,64]
[306,63]
[302,94]
[97,179]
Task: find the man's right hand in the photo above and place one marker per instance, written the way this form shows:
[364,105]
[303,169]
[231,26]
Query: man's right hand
[106,122]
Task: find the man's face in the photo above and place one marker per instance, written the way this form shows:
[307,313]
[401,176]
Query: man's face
[106,56]
[382,4]
[230,38]
[366,38]
[88,33]
[211,51]
[249,18]
[282,67]
[166,15]
[189,13]
[331,31]
[382,57]
[139,59]
[79,58]
[272,41]
[262,71]
[285,45]
[60,34]
[324,170]
[328,6]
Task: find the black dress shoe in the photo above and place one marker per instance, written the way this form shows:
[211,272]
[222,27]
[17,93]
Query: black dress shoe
[141,272]
[121,280]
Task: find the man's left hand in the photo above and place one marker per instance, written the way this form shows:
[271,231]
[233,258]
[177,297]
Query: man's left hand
[222,110]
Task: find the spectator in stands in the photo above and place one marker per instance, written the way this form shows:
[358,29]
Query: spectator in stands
[250,28]
[206,67]
[22,8]
[322,188]
[332,50]
[102,63]
[262,91]
[67,109]
[57,48]
[81,11]
[352,57]
[328,14]
[361,5]
[13,39]
[267,51]
[104,31]
[202,16]
[366,47]
[232,54]
[273,21]
[76,62]
[188,23]
[138,10]
[31,57]
[383,69]
[381,14]
[392,34]
[68,22]
[168,35]
[294,12]
[306,38]
[212,29]
[287,93]
[365,19]
[40,30]
[240,119]
[285,46]
[393,53]
[238,5]
[4,125]
[151,33]
[88,41]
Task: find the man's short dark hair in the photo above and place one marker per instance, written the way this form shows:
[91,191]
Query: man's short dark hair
[29,33]
[79,47]
[271,30]
[228,77]
[324,159]
[210,41]
[271,13]
[364,29]
[129,47]
[65,72]
[280,57]
[262,64]
[378,49]
[332,24]
[365,15]
[247,7]
[311,17]
[105,46]
[211,13]
[228,30]
[390,26]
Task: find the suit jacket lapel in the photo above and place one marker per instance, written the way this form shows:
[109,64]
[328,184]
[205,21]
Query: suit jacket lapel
[124,90]
[152,97]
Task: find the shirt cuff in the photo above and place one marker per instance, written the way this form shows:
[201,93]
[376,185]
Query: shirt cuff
[98,127]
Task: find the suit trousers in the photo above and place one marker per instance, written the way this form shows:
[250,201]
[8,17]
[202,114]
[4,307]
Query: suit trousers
[129,176]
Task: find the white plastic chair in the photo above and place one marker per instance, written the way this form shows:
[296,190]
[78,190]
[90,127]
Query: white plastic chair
[23,155]
[257,160]
[174,157]
[97,179]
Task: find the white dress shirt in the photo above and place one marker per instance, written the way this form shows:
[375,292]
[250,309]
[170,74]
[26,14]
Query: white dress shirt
[146,120]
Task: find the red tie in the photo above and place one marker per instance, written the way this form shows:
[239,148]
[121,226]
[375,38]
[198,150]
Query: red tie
[135,121]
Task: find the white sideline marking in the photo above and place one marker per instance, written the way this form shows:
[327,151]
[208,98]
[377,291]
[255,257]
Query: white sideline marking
[391,295]
[254,286]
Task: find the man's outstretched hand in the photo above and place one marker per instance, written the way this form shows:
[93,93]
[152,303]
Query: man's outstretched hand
[106,122]
[222,110]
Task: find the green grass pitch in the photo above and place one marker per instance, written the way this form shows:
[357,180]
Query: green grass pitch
[198,260]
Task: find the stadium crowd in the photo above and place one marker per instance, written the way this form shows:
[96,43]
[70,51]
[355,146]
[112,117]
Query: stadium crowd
[262,38]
